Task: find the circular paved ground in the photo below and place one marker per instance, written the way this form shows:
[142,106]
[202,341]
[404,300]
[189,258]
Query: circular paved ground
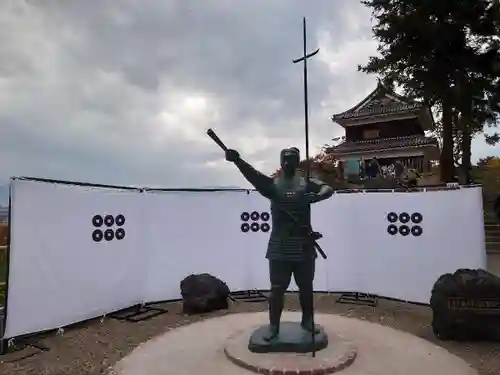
[199,349]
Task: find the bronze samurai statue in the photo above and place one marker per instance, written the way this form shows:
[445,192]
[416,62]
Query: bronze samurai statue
[291,248]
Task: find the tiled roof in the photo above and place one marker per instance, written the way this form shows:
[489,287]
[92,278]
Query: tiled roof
[374,108]
[380,102]
[383,144]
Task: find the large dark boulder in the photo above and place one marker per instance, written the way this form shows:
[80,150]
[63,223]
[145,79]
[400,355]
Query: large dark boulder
[203,293]
[466,306]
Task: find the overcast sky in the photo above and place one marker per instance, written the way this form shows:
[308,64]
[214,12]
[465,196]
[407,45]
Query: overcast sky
[121,92]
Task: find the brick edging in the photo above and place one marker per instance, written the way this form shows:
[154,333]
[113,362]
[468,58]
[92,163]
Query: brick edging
[338,364]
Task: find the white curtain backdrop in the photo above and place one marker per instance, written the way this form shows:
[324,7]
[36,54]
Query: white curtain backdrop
[58,275]
[198,232]
[389,244]
[403,266]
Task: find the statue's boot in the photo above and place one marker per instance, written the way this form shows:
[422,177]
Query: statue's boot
[275,309]
[273,332]
[306,304]
[307,325]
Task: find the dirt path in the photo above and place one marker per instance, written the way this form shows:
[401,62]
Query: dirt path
[92,347]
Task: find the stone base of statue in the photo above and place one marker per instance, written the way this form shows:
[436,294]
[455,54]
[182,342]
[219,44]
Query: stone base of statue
[291,339]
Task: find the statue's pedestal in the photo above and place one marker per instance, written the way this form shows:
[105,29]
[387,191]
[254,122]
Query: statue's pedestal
[291,339]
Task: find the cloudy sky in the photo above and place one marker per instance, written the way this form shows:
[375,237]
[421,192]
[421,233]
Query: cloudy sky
[121,92]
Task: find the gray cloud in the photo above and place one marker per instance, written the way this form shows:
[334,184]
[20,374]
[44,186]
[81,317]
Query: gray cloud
[121,92]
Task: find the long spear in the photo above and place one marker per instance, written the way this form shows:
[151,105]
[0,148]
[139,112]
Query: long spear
[306,103]
[304,58]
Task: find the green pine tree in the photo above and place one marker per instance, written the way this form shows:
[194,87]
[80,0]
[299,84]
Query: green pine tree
[445,53]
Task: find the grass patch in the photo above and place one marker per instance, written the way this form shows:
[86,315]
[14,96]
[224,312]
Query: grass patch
[3,272]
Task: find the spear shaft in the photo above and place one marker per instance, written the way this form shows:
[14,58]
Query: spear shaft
[303,59]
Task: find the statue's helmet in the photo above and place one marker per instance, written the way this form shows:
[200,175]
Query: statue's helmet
[291,155]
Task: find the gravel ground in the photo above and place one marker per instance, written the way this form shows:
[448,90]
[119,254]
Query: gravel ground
[91,347]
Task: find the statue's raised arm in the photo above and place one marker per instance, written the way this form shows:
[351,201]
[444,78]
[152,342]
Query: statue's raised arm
[262,183]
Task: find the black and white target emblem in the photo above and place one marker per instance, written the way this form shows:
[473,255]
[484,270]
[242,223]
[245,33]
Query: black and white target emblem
[416,230]
[120,220]
[97,221]
[392,229]
[404,230]
[109,234]
[254,216]
[120,234]
[405,224]
[404,217]
[109,220]
[108,227]
[97,235]
[255,221]
[416,218]
[392,217]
